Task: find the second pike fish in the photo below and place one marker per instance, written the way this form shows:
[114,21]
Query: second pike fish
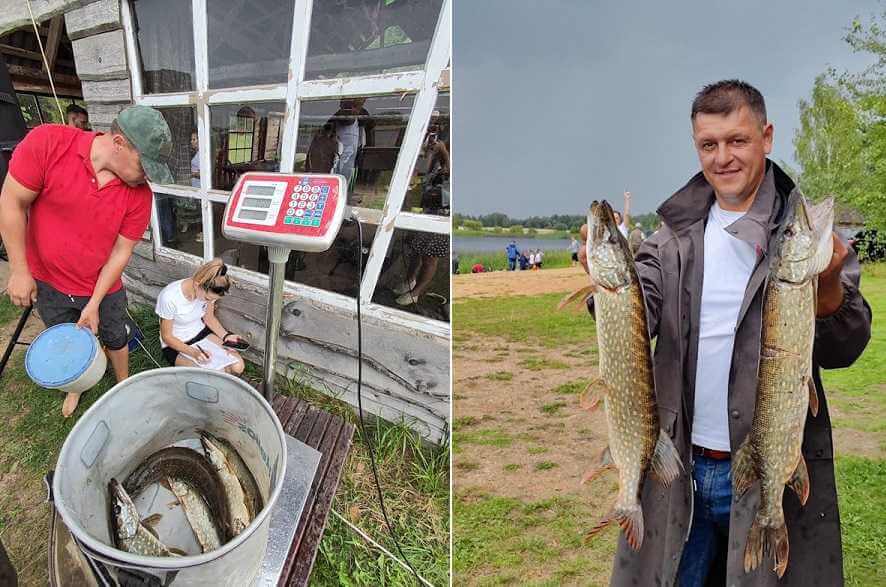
[636,441]
[785,389]
[130,533]
[238,511]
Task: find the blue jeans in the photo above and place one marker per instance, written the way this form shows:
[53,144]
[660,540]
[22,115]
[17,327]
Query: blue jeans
[710,520]
[512,264]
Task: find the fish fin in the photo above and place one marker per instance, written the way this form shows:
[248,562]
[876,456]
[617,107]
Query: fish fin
[813,397]
[629,519]
[150,524]
[666,464]
[604,463]
[767,541]
[822,220]
[743,472]
[590,399]
[176,551]
[167,484]
[580,294]
[799,481]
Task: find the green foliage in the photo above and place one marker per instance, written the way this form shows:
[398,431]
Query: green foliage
[861,488]
[494,261]
[515,229]
[841,142]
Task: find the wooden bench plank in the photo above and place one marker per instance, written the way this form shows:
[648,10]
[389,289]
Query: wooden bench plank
[310,542]
[331,436]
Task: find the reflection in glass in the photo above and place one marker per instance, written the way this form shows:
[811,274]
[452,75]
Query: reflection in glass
[369,36]
[30,110]
[415,274]
[333,270]
[165,37]
[245,137]
[359,138]
[428,191]
[184,162]
[248,42]
[181,223]
[49,109]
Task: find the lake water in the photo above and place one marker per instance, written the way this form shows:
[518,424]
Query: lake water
[463,244]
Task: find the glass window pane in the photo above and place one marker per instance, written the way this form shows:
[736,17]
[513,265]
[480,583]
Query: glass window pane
[415,274]
[333,270]
[165,36]
[181,223]
[362,37]
[49,109]
[248,42]
[359,138]
[428,191]
[184,161]
[30,110]
[245,137]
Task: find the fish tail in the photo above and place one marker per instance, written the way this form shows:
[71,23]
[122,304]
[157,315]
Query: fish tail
[666,464]
[629,518]
[768,541]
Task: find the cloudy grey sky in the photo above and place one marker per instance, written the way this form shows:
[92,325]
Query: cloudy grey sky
[581,99]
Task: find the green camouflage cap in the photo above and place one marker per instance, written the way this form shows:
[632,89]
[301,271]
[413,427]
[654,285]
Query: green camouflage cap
[148,132]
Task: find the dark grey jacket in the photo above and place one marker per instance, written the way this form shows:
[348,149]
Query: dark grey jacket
[670,265]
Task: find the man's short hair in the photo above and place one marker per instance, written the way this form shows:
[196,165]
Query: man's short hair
[727,96]
[75,109]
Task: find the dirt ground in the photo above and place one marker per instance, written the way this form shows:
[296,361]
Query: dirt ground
[526,283]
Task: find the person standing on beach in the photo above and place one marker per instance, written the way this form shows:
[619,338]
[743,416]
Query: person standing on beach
[573,249]
[512,253]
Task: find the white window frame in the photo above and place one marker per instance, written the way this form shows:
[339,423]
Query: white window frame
[423,84]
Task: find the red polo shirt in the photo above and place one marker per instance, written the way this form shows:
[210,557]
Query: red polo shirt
[73,224]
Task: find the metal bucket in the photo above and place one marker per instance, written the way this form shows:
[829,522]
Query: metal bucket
[66,358]
[143,414]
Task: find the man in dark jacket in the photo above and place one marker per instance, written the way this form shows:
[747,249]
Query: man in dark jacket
[703,276]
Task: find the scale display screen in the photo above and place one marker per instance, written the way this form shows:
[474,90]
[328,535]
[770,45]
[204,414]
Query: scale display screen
[257,202]
[260,190]
[253,215]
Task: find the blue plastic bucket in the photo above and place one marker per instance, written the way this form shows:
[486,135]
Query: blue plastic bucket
[66,358]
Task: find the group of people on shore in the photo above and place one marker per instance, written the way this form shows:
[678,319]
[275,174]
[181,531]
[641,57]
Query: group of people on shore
[526,260]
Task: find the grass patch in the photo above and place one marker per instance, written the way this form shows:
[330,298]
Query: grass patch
[486,437]
[572,387]
[545,465]
[861,489]
[495,261]
[511,467]
[8,310]
[467,466]
[553,407]
[500,376]
[463,421]
[540,363]
[526,319]
[506,540]
[536,450]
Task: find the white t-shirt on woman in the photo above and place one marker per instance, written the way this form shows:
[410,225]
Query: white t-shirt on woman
[186,315]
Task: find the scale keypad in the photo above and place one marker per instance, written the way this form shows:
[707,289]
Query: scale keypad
[306,205]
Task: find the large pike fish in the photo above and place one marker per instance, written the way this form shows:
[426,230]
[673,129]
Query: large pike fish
[785,389]
[191,468]
[254,501]
[232,489]
[636,441]
[129,533]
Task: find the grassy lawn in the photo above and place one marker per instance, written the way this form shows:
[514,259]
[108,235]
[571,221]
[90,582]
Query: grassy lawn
[498,261]
[503,540]
[414,476]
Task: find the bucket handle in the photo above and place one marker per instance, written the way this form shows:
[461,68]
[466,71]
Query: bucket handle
[202,393]
[95,443]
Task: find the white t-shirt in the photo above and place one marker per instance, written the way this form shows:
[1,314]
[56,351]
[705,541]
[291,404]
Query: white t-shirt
[186,315]
[623,228]
[532,258]
[539,256]
[728,264]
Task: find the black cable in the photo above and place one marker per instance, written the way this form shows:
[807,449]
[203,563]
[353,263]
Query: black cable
[381,499]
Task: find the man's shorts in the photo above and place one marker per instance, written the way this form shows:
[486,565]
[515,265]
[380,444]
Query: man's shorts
[575,256]
[56,308]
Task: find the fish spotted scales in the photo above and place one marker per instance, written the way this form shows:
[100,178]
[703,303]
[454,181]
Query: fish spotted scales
[772,451]
[626,387]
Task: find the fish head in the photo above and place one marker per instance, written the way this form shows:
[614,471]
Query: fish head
[126,518]
[609,258]
[805,243]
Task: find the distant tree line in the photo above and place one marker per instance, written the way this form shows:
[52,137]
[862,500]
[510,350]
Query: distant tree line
[565,222]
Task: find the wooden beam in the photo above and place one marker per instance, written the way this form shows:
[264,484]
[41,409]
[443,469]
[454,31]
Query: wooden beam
[44,88]
[55,35]
[18,52]
[32,74]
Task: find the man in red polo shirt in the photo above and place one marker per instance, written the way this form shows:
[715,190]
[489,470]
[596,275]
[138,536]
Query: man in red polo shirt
[72,209]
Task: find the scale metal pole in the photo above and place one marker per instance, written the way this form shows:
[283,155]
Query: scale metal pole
[277,257]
